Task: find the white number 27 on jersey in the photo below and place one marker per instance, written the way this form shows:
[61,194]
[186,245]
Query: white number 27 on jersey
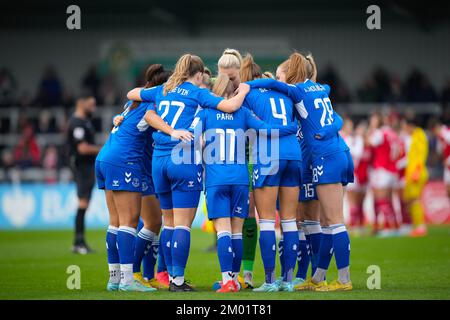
[327,110]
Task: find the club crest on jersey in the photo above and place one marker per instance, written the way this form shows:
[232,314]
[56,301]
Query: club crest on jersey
[135,182]
[144,186]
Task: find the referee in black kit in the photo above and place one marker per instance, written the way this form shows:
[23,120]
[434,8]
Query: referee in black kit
[80,138]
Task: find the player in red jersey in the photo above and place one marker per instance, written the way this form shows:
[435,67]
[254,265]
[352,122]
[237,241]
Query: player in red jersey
[442,132]
[361,154]
[383,176]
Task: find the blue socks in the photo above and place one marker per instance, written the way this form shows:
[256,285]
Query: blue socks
[113,254]
[166,244]
[303,257]
[280,254]
[161,262]
[334,240]
[238,248]
[341,247]
[126,239]
[225,254]
[144,240]
[313,235]
[181,243]
[290,247]
[267,244]
[149,260]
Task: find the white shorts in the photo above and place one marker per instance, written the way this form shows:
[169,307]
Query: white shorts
[447,176]
[357,186]
[382,179]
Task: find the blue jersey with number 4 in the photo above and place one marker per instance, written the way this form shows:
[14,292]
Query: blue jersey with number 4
[315,110]
[178,108]
[275,108]
[224,154]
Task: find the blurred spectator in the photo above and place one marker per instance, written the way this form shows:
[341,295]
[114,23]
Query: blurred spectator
[417,88]
[339,92]
[27,152]
[7,160]
[383,85]
[368,91]
[46,122]
[109,91]
[25,100]
[7,87]
[50,163]
[91,82]
[50,89]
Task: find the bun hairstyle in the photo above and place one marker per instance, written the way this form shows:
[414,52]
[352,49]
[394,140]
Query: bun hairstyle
[155,75]
[231,58]
[223,86]
[301,68]
[187,66]
[268,75]
[249,69]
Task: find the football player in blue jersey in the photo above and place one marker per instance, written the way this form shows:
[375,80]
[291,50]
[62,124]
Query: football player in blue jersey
[147,240]
[176,170]
[275,175]
[120,173]
[226,179]
[332,168]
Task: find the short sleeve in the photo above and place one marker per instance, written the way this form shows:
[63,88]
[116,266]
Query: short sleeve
[150,107]
[79,134]
[149,94]
[208,100]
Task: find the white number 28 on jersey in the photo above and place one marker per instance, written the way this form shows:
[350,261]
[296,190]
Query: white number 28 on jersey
[327,110]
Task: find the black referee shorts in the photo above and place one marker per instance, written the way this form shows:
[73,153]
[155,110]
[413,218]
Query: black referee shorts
[84,176]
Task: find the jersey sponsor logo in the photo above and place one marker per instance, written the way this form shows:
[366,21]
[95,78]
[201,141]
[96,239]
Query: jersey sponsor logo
[127,177]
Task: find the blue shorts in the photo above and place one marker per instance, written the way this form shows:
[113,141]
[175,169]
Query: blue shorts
[148,189]
[282,173]
[117,178]
[333,168]
[168,176]
[227,201]
[308,189]
[178,199]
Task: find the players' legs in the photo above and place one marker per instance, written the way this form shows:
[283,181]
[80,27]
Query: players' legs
[265,200]
[166,239]
[335,237]
[128,205]
[250,239]
[224,248]
[147,241]
[288,197]
[111,242]
[310,231]
[237,243]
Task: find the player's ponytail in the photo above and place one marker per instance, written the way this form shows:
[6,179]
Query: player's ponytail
[249,69]
[311,68]
[297,71]
[231,58]
[223,87]
[187,66]
[268,75]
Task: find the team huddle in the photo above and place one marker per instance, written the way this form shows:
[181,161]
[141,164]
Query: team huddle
[253,143]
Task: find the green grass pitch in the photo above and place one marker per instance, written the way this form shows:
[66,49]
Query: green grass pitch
[33,266]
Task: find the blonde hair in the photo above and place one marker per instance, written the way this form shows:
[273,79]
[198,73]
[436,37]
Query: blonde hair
[231,58]
[249,69]
[301,68]
[187,66]
[223,86]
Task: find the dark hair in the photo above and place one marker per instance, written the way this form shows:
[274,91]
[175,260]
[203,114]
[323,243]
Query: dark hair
[155,75]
